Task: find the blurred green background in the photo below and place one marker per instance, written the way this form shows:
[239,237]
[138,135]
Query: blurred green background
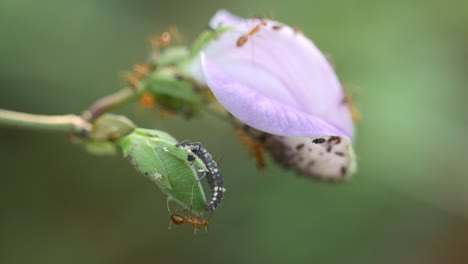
[407,204]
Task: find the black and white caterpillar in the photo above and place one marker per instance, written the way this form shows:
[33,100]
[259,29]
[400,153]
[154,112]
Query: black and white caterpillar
[213,175]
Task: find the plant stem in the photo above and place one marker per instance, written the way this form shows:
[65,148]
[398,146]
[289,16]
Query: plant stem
[61,123]
[110,102]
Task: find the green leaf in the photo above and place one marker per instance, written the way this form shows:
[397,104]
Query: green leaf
[143,156]
[167,143]
[153,154]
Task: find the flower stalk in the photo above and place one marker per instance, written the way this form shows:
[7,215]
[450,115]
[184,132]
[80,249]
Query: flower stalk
[59,123]
[111,102]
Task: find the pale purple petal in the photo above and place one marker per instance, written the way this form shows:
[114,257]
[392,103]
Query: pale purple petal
[261,112]
[277,82]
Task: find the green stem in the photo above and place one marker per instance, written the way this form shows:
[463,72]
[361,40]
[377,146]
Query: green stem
[61,123]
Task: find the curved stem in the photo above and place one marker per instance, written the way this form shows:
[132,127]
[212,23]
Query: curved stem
[62,123]
[110,102]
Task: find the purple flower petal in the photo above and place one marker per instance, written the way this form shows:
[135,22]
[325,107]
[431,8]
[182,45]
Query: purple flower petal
[259,111]
[278,81]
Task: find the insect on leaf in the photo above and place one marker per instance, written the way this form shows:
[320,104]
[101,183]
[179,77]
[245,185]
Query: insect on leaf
[153,153]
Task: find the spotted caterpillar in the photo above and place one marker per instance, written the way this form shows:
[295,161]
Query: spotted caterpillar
[213,175]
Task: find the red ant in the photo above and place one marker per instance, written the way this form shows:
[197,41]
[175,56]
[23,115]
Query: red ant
[297,30]
[179,219]
[166,38]
[355,114]
[277,27]
[243,39]
[254,144]
[134,78]
[350,91]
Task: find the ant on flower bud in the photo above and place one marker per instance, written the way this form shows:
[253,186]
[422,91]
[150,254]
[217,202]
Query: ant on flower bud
[243,39]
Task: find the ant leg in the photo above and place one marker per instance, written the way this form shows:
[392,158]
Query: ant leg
[209,218]
[201,177]
[169,210]
[191,200]
[195,227]
[167,204]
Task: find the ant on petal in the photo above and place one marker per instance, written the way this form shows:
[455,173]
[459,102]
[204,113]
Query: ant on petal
[243,39]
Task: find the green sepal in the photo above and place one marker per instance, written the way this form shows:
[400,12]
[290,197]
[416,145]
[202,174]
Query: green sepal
[173,55]
[111,127]
[206,37]
[107,129]
[175,92]
[153,154]
[100,148]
